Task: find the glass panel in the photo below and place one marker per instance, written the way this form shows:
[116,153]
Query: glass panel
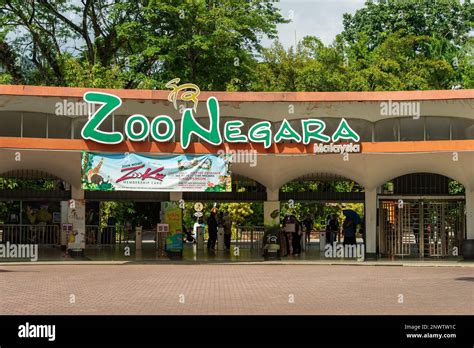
[331,125]
[34,125]
[437,128]
[411,129]
[462,128]
[361,127]
[386,130]
[59,127]
[78,124]
[119,123]
[10,124]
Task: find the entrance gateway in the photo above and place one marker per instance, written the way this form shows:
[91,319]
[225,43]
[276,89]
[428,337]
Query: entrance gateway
[327,134]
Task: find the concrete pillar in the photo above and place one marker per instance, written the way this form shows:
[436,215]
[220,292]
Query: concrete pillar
[271,213]
[176,196]
[74,214]
[77,193]
[273,195]
[370,222]
[271,216]
[271,209]
[469,213]
[77,216]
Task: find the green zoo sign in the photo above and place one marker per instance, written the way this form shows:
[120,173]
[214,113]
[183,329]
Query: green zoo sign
[261,132]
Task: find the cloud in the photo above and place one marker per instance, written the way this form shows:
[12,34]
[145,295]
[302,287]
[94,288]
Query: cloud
[321,18]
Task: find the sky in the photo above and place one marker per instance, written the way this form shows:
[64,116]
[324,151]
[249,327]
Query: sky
[321,18]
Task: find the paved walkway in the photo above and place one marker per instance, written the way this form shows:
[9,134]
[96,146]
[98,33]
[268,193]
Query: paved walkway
[234,289]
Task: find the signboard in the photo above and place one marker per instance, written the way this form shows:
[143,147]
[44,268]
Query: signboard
[76,216]
[172,215]
[198,206]
[133,172]
[312,130]
[342,149]
[66,229]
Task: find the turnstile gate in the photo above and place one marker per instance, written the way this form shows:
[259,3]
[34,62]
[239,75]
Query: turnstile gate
[420,228]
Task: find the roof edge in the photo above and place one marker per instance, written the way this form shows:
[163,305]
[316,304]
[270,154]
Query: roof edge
[141,94]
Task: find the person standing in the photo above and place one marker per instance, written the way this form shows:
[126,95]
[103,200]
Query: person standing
[293,229]
[297,236]
[333,229]
[349,230]
[308,224]
[288,227]
[212,230]
[227,222]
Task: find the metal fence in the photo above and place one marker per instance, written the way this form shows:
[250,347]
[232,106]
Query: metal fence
[250,237]
[108,235]
[30,234]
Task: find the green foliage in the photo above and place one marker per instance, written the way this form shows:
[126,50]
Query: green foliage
[133,44]
[322,186]
[6,79]
[448,19]
[103,186]
[116,213]
[455,187]
[320,211]
[33,184]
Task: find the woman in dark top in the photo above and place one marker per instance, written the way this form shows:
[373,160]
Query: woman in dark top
[349,230]
[212,229]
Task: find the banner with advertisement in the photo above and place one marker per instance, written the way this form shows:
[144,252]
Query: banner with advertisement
[76,238]
[134,172]
[172,215]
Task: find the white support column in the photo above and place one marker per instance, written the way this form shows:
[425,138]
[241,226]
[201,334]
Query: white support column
[370,221]
[77,216]
[77,192]
[272,204]
[273,195]
[176,196]
[469,213]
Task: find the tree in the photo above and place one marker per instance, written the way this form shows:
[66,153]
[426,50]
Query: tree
[402,62]
[310,67]
[278,70]
[40,35]
[132,44]
[324,68]
[447,19]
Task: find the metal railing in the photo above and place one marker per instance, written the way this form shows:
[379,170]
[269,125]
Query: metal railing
[108,235]
[30,234]
[250,237]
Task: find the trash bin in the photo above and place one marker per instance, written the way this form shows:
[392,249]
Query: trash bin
[138,238]
[272,248]
[220,238]
[200,238]
[322,242]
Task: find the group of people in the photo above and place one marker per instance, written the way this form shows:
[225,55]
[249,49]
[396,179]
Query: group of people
[349,229]
[295,229]
[214,221]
